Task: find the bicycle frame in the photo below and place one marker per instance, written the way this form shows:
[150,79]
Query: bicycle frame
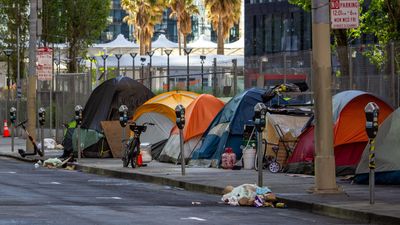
[132,150]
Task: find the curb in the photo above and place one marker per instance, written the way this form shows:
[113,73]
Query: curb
[18,158]
[317,208]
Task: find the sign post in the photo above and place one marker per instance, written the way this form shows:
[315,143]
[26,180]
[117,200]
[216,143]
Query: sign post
[344,14]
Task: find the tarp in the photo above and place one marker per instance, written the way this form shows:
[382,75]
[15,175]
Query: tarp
[199,114]
[160,110]
[350,137]
[387,154]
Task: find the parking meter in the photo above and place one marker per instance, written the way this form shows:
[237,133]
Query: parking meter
[78,119]
[13,117]
[42,115]
[180,116]
[123,115]
[78,114]
[180,123]
[371,115]
[260,111]
[42,120]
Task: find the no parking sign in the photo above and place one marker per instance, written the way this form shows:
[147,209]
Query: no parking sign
[44,68]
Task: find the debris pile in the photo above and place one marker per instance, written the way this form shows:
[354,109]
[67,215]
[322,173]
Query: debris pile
[251,195]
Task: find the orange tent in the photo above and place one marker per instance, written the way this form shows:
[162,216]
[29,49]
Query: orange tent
[199,114]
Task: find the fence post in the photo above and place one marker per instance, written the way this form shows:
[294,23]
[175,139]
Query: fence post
[350,56]
[392,75]
[150,77]
[234,72]
[214,78]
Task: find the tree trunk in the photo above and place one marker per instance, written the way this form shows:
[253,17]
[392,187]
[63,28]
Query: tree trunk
[220,50]
[179,42]
[141,43]
[343,55]
[184,40]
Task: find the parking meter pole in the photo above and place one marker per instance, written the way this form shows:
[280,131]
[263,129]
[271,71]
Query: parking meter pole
[13,117]
[371,166]
[12,136]
[260,159]
[42,138]
[260,111]
[79,142]
[182,152]
[371,127]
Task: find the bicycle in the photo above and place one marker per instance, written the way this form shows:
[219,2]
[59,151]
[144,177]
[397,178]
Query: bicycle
[270,162]
[132,146]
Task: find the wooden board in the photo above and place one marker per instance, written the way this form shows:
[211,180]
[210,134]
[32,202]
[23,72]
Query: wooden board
[113,132]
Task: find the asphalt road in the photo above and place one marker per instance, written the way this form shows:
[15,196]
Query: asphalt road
[56,196]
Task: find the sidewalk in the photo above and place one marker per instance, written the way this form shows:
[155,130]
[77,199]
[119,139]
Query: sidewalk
[352,203]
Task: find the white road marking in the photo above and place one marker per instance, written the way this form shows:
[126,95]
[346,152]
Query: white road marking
[193,218]
[108,198]
[54,182]
[11,172]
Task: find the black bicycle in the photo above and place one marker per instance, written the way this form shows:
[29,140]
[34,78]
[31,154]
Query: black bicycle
[36,150]
[132,146]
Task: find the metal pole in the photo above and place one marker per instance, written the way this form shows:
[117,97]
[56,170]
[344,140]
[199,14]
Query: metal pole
[234,67]
[150,78]
[8,84]
[214,78]
[142,73]
[187,71]
[12,136]
[168,74]
[284,67]
[392,74]
[202,75]
[42,138]
[260,159]
[19,91]
[51,91]
[371,166]
[325,177]
[79,141]
[182,152]
[350,56]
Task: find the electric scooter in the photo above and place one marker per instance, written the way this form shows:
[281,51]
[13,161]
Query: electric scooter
[36,150]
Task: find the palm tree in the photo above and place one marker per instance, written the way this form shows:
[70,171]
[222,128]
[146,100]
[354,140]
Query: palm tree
[182,10]
[143,15]
[223,14]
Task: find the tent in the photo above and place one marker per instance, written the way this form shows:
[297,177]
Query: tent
[199,114]
[160,110]
[387,154]
[350,137]
[227,128]
[103,105]
[163,42]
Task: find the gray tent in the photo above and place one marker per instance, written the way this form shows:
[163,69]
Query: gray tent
[387,154]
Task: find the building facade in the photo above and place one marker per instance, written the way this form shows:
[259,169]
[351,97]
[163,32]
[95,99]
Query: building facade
[117,26]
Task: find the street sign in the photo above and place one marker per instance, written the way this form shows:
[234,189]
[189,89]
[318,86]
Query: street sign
[344,14]
[44,64]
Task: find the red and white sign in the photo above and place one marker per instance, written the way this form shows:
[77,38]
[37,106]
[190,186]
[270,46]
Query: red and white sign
[344,14]
[44,68]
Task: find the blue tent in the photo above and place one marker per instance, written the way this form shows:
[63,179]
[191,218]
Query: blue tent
[227,128]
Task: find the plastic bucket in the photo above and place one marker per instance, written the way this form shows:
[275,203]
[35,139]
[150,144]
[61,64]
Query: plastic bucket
[145,150]
[249,156]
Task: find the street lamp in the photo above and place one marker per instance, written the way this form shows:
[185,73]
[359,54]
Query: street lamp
[104,57]
[78,60]
[202,58]
[8,53]
[168,52]
[118,56]
[142,59]
[150,53]
[133,55]
[91,59]
[187,52]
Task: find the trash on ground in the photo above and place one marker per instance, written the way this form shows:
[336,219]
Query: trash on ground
[251,195]
[196,203]
[52,162]
[49,143]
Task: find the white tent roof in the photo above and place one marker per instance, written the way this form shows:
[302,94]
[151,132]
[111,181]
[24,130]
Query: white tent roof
[237,44]
[119,42]
[163,42]
[202,43]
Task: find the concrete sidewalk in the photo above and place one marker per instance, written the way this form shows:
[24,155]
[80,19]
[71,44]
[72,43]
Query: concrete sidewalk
[352,203]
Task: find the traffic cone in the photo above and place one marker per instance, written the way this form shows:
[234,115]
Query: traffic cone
[6,132]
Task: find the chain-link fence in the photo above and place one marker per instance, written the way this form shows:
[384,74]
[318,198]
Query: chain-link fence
[370,68]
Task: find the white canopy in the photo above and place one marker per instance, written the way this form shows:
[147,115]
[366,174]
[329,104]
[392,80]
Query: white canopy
[202,43]
[237,44]
[163,42]
[119,42]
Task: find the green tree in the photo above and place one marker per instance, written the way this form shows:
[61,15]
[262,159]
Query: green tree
[77,22]
[223,14]
[143,15]
[14,15]
[183,10]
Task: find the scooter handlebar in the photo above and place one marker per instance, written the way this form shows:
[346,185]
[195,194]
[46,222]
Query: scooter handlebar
[22,123]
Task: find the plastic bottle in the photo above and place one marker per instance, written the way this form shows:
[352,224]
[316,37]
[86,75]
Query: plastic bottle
[228,159]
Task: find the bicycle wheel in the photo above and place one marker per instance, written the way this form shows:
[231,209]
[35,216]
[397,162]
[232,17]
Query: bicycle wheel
[274,167]
[125,157]
[134,153]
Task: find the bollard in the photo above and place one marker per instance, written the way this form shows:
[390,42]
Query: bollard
[371,127]
[78,119]
[13,117]
[260,111]
[42,114]
[180,123]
